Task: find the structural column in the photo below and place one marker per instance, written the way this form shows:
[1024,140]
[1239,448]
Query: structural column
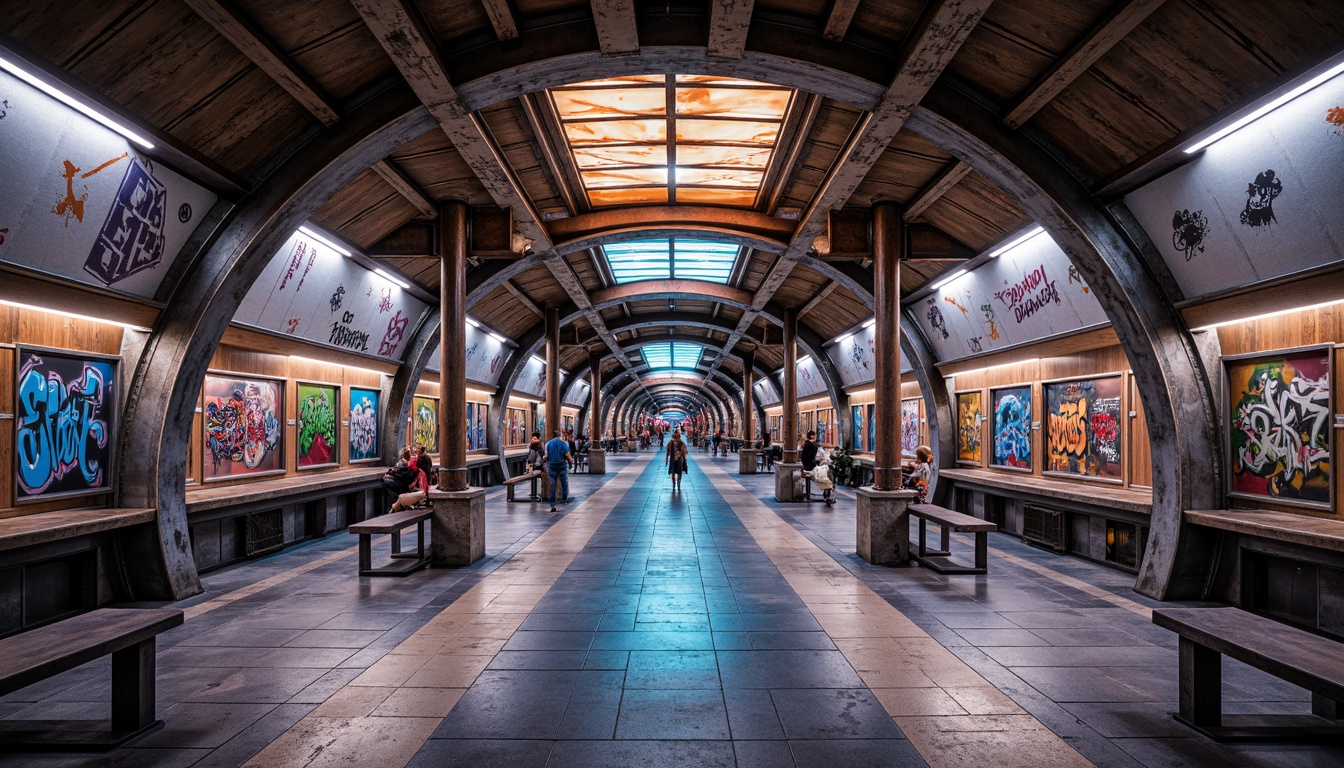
[458,535]
[883,532]
[746,455]
[552,412]
[787,471]
[597,456]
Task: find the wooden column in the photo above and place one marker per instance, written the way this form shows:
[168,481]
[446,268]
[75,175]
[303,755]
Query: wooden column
[595,396]
[790,430]
[453,360]
[888,245]
[748,399]
[552,372]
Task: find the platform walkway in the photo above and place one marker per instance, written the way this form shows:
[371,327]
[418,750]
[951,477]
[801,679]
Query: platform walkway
[716,628]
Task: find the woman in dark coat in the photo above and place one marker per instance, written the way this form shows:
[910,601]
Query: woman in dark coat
[676,460]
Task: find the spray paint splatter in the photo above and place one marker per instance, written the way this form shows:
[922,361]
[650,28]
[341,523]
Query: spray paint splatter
[72,205]
[1335,117]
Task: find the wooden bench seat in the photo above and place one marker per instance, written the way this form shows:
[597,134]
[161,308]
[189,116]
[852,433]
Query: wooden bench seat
[126,633]
[1297,656]
[283,489]
[44,527]
[940,560]
[1051,491]
[394,523]
[1314,532]
[513,482]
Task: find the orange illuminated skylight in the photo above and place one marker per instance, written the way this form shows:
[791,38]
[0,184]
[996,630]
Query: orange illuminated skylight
[717,134]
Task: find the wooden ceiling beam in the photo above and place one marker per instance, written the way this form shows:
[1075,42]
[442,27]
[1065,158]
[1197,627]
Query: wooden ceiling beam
[822,295]
[728,23]
[1118,23]
[837,23]
[617,34]
[406,187]
[233,26]
[523,299]
[946,179]
[935,39]
[501,18]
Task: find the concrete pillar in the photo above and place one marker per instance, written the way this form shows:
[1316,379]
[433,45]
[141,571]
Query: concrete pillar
[457,535]
[789,468]
[552,412]
[882,519]
[746,455]
[597,457]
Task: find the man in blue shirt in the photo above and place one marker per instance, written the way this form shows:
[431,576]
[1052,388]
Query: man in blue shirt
[557,467]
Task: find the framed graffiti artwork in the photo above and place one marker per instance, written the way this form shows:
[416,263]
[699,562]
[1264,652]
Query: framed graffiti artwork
[318,425]
[425,422]
[909,426]
[1010,427]
[477,417]
[363,431]
[1278,418]
[970,432]
[242,420]
[65,425]
[1084,426]
[856,425]
[871,410]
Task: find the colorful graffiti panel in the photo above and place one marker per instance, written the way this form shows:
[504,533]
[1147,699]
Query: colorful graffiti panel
[1279,423]
[1083,433]
[909,426]
[969,448]
[317,424]
[872,427]
[242,427]
[1011,427]
[425,422]
[364,416]
[477,417]
[64,425]
[856,426]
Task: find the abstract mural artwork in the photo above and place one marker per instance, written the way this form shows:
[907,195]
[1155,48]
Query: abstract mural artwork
[856,433]
[318,445]
[242,426]
[477,417]
[364,415]
[968,428]
[1083,436]
[1278,417]
[64,427]
[425,422]
[909,426]
[1011,427]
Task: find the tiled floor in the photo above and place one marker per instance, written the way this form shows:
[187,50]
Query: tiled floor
[713,628]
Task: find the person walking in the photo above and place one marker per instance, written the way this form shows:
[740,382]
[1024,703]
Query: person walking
[536,462]
[557,467]
[717,440]
[676,460]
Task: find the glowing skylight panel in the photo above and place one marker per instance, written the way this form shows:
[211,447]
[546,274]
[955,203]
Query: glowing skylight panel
[652,139]
[672,356]
[672,258]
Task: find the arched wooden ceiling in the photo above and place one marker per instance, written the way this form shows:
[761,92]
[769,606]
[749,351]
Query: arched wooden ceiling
[1105,84]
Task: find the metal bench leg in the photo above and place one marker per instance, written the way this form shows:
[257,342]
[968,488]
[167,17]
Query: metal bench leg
[1201,683]
[420,539]
[396,543]
[982,551]
[133,687]
[943,538]
[922,548]
[365,554]
[508,494]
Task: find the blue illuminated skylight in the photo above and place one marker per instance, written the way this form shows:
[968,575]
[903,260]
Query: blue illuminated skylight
[664,259]
[672,356]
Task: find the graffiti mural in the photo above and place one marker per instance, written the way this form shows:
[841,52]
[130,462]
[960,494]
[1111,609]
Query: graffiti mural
[872,427]
[477,416]
[1260,194]
[131,240]
[425,422]
[1279,422]
[241,427]
[364,415]
[968,427]
[1188,231]
[856,424]
[1083,436]
[64,426]
[318,442]
[909,426]
[935,317]
[1011,427]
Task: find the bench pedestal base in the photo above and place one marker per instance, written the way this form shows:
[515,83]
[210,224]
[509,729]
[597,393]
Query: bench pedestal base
[785,474]
[458,535]
[883,526]
[746,461]
[597,461]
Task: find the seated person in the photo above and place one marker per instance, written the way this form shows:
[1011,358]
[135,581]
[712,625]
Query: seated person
[920,473]
[415,491]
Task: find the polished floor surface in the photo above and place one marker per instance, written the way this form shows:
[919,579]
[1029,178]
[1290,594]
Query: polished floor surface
[636,627]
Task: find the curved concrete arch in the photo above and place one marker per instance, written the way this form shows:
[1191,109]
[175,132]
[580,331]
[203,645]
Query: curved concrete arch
[715,397]
[166,386]
[1178,401]
[641,401]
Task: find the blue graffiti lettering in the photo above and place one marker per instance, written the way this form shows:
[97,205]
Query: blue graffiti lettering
[59,427]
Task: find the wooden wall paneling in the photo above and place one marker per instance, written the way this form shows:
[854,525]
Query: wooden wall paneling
[1140,451]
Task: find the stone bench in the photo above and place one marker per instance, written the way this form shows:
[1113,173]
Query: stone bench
[128,635]
[1297,656]
[940,560]
[402,564]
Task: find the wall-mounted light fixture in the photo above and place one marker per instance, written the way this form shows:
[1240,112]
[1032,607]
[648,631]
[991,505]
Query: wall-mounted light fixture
[74,103]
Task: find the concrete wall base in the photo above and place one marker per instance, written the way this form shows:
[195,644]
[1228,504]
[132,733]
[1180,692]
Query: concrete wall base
[785,474]
[597,461]
[883,526]
[457,532]
[746,461]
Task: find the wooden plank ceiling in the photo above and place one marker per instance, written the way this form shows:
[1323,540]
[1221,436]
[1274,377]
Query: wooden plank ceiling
[1105,82]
